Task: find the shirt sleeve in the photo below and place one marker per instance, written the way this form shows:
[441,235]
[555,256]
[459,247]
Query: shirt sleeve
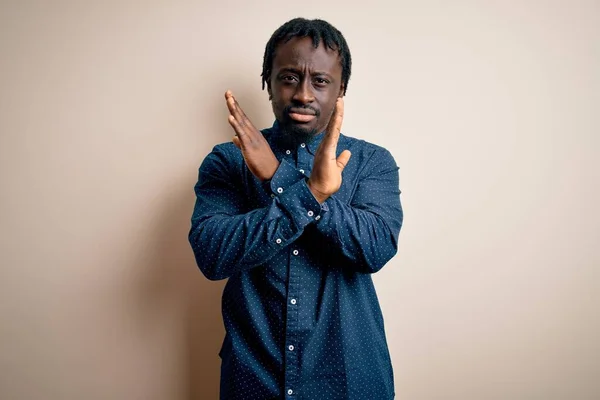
[364,234]
[228,238]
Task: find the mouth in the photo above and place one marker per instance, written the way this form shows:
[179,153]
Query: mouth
[301,115]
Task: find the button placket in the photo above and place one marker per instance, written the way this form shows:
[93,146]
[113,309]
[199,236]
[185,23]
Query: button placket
[291,357]
[305,159]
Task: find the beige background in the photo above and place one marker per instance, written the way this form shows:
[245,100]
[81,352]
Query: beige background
[491,109]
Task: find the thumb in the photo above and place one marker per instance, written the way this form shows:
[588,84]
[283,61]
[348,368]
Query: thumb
[236,141]
[343,158]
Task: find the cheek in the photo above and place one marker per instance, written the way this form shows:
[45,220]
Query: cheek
[277,106]
[327,111]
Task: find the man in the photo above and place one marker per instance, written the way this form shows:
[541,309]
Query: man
[298,217]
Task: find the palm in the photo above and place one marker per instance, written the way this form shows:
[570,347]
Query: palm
[326,176]
[259,157]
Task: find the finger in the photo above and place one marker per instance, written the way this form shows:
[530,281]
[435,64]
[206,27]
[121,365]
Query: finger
[343,159]
[236,111]
[237,142]
[230,100]
[239,131]
[244,119]
[335,125]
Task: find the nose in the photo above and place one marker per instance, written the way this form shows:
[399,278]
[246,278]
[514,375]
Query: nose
[304,94]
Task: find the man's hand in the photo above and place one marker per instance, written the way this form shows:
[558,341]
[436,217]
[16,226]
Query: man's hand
[326,176]
[257,153]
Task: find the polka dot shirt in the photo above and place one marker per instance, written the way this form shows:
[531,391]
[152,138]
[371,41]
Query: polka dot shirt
[301,314]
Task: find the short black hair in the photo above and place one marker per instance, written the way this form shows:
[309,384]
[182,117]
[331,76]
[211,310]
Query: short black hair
[318,30]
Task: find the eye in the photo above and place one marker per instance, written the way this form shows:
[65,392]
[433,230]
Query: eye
[321,82]
[288,78]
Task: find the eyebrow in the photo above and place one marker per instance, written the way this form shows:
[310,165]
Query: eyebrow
[297,71]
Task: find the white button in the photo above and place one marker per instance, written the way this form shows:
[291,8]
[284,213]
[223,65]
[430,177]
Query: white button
[318,217]
[278,241]
[290,391]
[301,171]
[293,301]
[288,152]
[302,145]
[279,190]
[291,347]
[295,252]
[310,213]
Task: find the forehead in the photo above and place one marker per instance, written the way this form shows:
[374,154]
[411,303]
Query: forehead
[299,52]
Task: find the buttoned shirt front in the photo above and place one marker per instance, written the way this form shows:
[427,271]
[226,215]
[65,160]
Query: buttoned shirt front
[301,314]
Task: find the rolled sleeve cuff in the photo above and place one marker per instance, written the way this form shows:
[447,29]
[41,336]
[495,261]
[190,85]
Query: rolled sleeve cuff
[285,176]
[299,202]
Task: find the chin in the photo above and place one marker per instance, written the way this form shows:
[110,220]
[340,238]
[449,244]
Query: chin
[302,126]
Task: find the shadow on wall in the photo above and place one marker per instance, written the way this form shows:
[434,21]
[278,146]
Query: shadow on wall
[175,277]
[205,324]
[204,335]
[196,301]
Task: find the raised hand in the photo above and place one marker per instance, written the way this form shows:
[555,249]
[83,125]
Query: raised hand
[326,176]
[257,153]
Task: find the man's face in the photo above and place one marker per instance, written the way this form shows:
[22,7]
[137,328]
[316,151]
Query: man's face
[305,83]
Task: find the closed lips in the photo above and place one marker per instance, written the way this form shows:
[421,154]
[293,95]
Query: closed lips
[304,111]
[301,115]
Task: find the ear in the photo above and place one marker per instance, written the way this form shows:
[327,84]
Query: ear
[342,88]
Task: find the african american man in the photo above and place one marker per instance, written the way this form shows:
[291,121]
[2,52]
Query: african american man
[298,217]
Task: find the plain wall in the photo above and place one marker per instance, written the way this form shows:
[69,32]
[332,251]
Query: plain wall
[490,108]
